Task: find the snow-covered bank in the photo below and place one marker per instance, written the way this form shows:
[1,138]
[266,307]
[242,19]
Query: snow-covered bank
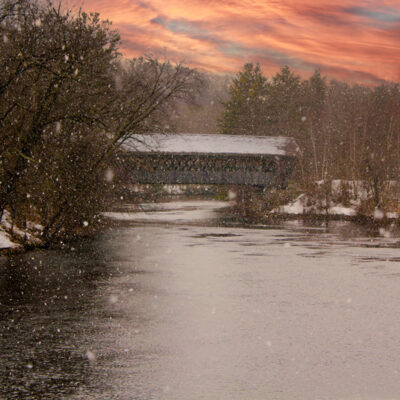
[12,237]
[346,199]
[305,205]
[6,242]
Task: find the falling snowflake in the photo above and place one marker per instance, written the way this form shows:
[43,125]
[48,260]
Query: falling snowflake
[91,356]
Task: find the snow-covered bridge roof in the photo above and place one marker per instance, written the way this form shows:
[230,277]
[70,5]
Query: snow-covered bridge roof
[189,143]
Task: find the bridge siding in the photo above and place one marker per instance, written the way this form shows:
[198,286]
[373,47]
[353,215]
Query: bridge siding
[267,171]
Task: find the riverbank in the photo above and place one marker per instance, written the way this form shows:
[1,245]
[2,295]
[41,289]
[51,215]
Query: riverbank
[14,239]
[306,208]
[6,242]
[333,207]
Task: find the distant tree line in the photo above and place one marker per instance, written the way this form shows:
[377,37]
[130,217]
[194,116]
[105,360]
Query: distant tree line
[344,132]
[68,101]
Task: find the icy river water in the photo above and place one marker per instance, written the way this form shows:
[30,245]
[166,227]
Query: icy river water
[170,305]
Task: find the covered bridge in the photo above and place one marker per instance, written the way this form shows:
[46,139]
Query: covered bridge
[211,159]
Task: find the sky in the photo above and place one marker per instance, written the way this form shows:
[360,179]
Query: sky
[354,41]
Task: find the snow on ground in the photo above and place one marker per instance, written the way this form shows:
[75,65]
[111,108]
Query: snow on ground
[29,234]
[356,191]
[341,210]
[5,241]
[296,206]
[302,205]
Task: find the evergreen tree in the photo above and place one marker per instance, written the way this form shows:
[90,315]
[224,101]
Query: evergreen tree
[244,112]
[286,101]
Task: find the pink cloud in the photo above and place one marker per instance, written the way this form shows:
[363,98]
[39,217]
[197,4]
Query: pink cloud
[356,41]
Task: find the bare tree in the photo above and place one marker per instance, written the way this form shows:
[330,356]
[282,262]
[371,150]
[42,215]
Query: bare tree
[68,102]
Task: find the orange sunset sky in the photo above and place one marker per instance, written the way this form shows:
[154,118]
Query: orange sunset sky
[355,41]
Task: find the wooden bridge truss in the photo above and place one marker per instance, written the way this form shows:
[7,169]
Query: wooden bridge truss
[154,159]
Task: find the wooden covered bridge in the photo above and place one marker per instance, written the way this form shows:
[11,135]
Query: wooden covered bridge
[262,161]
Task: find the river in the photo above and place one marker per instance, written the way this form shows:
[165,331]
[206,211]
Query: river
[171,305]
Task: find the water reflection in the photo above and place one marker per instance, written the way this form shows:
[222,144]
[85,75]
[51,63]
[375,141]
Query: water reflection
[47,311]
[197,311]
